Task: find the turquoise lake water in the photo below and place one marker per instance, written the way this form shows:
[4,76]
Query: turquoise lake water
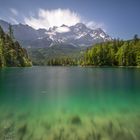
[69,103]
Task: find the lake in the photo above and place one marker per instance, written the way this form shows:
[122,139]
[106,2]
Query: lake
[69,103]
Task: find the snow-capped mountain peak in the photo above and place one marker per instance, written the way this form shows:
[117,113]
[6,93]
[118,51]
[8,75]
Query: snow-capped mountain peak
[80,25]
[77,35]
[62,29]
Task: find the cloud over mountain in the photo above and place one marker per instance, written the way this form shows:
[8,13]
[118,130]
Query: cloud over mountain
[14,11]
[50,18]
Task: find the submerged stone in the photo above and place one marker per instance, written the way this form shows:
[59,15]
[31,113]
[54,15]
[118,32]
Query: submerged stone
[46,125]
[76,120]
[22,131]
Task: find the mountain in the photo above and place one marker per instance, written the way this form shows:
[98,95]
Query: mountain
[42,56]
[11,53]
[24,33]
[4,25]
[77,35]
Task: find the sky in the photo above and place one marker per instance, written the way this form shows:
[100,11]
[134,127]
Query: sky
[118,18]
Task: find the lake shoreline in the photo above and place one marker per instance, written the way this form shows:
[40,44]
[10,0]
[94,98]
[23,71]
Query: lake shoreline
[89,66]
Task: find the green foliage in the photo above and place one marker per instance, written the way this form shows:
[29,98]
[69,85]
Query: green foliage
[11,53]
[114,53]
[62,61]
[2,60]
[55,55]
[136,39]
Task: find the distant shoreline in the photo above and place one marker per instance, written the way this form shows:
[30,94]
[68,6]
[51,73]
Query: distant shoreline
[112,66]
[90,66]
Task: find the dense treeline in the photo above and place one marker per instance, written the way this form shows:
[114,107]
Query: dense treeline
[11,53]
[114,53]
[56,55]
[62,61]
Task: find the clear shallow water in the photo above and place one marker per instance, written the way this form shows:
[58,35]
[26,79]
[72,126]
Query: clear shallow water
[56,103]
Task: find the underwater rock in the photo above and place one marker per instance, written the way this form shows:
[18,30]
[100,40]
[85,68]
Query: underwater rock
[22,131]
[46,125]
[76,120]
[110,128]
[98,136]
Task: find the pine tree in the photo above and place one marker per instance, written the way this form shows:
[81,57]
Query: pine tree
[136,38]
[11,34]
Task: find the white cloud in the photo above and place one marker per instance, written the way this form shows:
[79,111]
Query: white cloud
[14,11]
[50,18]
[94,25]
[62,29]
[13,20]
[57,17]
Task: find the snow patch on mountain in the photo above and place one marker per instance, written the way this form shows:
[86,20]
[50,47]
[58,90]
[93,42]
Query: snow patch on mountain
[76,35]
[62,29]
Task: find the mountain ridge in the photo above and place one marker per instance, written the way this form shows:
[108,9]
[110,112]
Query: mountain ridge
[76,35]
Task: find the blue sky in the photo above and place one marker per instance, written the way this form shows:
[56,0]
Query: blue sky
[119,18]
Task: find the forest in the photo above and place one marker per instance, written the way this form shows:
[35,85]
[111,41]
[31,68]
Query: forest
[11,52]
[114,53]
[111,53]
